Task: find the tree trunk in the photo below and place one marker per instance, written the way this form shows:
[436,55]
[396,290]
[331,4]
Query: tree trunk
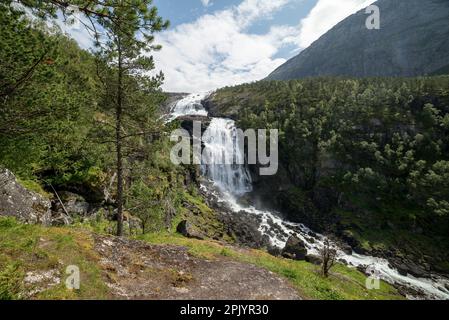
[119,144]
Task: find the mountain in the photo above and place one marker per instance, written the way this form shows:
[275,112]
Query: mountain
[413,40]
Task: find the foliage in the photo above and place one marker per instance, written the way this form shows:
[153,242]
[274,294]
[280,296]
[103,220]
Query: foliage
[10,282]
[386,138]
[376,149]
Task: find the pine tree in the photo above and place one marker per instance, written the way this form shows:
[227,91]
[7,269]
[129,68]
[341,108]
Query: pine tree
[125,49]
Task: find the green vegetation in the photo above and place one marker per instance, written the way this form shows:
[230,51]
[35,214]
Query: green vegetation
[36,249]
[33,248]
[370,155]
[59,110]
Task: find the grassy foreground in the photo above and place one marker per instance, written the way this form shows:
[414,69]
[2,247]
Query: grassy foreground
[32,248]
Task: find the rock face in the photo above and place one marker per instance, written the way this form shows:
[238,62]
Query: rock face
[75,204]
[244,228]
[295,249]
[187,123]
[172,98]
[188,230]
[25,205]
[412,41]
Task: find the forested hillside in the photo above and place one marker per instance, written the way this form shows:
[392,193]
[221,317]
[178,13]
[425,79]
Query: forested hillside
[368,159]
[58,129]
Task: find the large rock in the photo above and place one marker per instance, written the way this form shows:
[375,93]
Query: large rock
[314,259]
[16,201]
[244,228]
[75,204]
[295,249]
[187,123]
[188,230]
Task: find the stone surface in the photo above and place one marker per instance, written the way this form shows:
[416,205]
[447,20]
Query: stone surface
[75,204]
[16,201]
[314,259]
[295,249]
[188,230]
[137,270]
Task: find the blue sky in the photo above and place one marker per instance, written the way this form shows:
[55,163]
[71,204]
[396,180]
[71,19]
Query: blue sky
[215,43]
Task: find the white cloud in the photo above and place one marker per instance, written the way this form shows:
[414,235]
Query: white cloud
[216,50]
[325,15]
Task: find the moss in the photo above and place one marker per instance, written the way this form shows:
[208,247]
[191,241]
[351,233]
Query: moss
[35,187]
[196,211]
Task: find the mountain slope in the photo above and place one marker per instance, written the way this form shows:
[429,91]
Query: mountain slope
[413,40]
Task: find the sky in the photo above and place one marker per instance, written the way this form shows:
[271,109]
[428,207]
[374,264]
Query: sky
[216,43]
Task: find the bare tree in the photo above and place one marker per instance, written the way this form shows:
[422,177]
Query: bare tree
[329,257]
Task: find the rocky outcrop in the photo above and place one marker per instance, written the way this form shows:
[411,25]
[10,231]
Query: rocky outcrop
[411,41]
[188,121]
[75,204]
[172,98]
[295,249]
[244,228]
[188,230]
[140,271]
[25,205]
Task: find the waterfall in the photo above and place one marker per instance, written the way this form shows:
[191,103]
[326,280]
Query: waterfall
[223,159]
[189,106]
[233,180]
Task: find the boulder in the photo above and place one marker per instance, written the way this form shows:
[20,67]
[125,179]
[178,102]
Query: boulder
[244,228]
[362,268]
[348,237]
[17,201]
[417,271]
[75,204]
[346,248]
[402,270]
[188,230]
[314,259]
[187,123]
[294,249]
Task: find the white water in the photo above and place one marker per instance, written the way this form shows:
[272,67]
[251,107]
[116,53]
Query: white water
[189,106]
[232,181]
[223,156]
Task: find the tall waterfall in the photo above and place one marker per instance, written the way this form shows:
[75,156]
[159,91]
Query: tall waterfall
[233,180]
[223,159]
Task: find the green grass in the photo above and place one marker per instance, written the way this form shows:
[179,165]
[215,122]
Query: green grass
[25,248]
[344,283]
[32,248]
[35,187]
